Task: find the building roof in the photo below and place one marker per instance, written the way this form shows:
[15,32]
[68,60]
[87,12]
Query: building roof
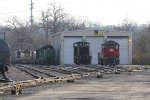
[92,33]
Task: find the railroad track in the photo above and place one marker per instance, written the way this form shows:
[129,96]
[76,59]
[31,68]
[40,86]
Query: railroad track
[71,69]
[23,84]
[16,86]
[106,69]
[68,69]
[81,69]
[54,71]
[62,70]
[34,72]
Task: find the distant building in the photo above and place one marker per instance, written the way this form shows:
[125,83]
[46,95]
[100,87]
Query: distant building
[63,44]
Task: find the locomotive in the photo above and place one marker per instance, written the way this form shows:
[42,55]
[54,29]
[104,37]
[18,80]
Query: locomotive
[4,56]
[45,55]
[109,53]
[24,56]
[82,53]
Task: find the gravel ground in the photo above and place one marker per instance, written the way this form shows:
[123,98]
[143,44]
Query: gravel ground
[124,86]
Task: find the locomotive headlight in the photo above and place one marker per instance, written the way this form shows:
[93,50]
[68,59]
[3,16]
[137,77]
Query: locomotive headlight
[111,50]
[130,40]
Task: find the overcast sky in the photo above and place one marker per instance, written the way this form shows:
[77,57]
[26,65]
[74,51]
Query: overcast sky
[105,12]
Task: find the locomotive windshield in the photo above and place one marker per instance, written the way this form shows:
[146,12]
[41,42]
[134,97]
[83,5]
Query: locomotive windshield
[111,44]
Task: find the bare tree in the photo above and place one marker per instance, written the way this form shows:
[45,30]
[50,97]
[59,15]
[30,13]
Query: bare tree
[54,20]
[20,31]
[51,19]
[19,35]
[127,25]
[141,48]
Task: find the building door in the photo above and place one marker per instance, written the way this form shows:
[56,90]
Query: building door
[69,50]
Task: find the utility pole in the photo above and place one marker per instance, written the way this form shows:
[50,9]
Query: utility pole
[31,13]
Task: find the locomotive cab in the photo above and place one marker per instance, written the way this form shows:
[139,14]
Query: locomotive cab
[82,53]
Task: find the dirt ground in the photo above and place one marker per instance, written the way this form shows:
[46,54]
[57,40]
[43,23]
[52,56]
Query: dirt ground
[124,86]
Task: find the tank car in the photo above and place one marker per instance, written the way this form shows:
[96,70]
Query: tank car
[4,56]
[109,54]
[82,53]
[45,55]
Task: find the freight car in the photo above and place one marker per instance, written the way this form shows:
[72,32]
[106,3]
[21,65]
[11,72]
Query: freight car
[109,54]
[45,55]
[82,53]
[4,56]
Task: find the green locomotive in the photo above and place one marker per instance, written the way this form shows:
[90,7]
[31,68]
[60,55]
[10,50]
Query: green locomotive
[45,55]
